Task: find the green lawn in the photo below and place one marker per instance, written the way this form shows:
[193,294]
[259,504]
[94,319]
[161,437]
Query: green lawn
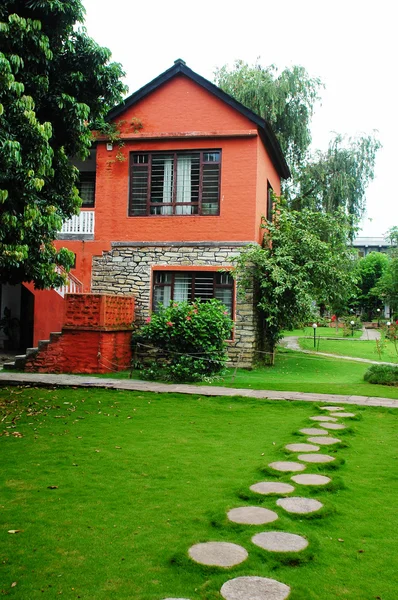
[141,477]
[320,332]
[358,349]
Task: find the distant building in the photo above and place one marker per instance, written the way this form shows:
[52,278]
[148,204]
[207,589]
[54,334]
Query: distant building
[365,245]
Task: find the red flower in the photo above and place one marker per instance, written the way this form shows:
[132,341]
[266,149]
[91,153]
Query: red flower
[189,319]
[148,320]
[169,323]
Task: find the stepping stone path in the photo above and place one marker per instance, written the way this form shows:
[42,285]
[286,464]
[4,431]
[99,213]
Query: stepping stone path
[226,555]
[344,414]
[324,441]
[286,465]
[302,447]
[299,506]
[218,554]
[333,426]
[279,541]
[252,515]
[311,479]
[312,431]
[316,458]
[254,588]
[272,487]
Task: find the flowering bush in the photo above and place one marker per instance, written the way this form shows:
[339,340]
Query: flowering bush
[190,339]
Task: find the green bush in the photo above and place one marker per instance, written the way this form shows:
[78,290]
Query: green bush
[382,375]
[347,327]
[189,338]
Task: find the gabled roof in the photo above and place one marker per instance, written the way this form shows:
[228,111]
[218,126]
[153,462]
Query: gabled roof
[179,68]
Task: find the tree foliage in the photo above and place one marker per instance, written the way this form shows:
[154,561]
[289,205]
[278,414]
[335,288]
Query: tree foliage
[387,286]
[285,100]
[54,82]
[325,181]
[305,260]
[370,270]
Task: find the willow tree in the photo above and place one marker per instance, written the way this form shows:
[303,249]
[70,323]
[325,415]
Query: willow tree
[324,181]
[54,82]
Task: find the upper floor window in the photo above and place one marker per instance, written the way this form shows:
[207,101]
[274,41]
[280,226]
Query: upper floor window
[86,187]
[175,183]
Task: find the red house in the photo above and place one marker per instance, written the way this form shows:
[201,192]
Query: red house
[169,203]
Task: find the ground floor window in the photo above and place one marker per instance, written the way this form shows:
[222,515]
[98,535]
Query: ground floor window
[188,286]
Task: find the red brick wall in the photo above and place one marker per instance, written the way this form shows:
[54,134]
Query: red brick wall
[83,352]
[98,311]
[96,337]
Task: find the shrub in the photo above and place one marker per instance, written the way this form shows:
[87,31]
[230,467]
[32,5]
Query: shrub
[190,341]
[382,375]
[348,328]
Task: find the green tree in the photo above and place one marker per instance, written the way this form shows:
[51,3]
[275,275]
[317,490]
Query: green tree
[386,287]
[305,260]
[55,82]
[325,181]
[370,269]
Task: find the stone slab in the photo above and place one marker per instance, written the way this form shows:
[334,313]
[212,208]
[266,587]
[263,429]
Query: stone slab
[316,458]
[333,408]
[311,479]
[280,541]
[286,465]
[272,487]
[299,506]
[344,414]
[324,441]
[252,515]
[218,554]
[334,426]
[312,431]
[254,588]
[302,447]
[322,418]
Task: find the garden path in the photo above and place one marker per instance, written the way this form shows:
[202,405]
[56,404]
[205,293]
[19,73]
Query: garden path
[84,381]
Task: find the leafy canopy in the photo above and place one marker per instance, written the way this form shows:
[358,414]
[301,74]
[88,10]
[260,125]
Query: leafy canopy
[305,260]
[54,82]
[325,181]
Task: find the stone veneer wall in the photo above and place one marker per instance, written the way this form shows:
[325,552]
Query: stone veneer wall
[127,269]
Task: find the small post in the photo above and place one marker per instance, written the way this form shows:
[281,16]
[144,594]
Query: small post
[352,328]
[378,317]
[314,325]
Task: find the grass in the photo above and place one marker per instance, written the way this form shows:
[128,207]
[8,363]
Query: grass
[358,349]
[320,332]
[297,372]
[139,478]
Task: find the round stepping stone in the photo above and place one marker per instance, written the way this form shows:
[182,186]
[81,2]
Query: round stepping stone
[271,487]
[254,588]
[299,506]
[322,418]
[316,458]
[332,408]
[312,431]
[218,554]
[279,541]
[344,414]
[311,479]
[324,441]
[302,447]
[252,515]
[333,426]
[286,465]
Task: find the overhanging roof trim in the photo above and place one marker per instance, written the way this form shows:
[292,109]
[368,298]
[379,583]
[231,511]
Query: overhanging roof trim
[266,133]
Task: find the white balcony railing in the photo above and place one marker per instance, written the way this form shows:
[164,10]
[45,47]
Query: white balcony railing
[81,224]
[72,286]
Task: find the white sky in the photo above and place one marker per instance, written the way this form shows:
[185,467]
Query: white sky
[351,45]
